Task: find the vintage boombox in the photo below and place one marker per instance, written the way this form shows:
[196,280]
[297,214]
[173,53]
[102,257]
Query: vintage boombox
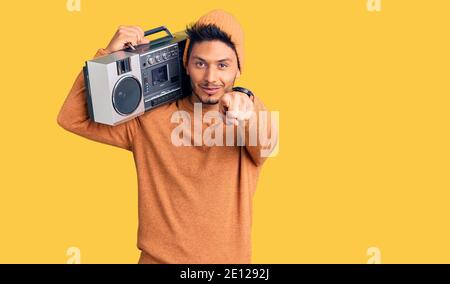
[127,83]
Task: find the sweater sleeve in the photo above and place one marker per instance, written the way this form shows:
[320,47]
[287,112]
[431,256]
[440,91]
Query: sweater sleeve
[265,131]
[74,117]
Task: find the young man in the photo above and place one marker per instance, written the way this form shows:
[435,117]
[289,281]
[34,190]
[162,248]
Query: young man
[194,202]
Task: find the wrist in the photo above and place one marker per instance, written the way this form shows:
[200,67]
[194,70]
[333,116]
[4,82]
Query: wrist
[245,91]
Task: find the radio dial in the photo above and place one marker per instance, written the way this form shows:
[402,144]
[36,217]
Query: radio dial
[164,55]
[151,60]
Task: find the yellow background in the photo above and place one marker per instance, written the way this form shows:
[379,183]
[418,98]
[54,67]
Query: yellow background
[364,140]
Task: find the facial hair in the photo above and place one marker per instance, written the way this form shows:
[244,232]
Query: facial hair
[209,100]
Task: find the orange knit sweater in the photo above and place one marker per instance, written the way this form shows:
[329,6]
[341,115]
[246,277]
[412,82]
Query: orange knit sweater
[194,202]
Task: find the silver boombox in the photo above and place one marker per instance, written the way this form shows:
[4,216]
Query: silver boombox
[127,83]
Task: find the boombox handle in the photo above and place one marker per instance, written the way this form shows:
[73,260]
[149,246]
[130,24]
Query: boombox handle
[169,35]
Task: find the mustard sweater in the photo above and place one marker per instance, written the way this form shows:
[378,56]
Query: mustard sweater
[194,202]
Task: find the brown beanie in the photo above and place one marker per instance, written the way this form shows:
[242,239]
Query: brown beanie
[229,25]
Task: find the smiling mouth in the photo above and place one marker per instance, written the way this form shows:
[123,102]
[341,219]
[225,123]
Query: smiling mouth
[211,90]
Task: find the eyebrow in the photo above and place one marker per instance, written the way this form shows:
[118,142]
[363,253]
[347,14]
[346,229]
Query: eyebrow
[221,60]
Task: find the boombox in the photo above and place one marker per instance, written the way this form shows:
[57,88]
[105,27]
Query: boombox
[127,83]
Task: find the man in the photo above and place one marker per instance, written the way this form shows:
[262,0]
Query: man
[194,203]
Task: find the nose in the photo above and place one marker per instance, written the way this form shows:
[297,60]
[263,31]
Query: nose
[210,75]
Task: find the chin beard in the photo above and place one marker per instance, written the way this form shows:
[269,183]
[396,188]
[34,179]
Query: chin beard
[208,101]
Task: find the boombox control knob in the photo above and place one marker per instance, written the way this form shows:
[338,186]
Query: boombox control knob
[158,58]
[164,55]
[151,60]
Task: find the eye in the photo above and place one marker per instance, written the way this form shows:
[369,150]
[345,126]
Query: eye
[223,65]
[200,64]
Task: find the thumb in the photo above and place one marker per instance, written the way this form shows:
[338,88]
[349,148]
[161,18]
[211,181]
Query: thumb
[145,40]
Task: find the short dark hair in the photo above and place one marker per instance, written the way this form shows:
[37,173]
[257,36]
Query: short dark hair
[199,33]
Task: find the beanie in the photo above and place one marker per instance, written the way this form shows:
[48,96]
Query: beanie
[227,24]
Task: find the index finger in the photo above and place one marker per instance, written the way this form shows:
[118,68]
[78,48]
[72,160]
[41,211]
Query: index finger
[225,102]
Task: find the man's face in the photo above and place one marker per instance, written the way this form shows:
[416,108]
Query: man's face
[213,69]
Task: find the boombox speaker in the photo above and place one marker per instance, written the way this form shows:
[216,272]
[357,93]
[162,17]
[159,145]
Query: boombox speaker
[127,83]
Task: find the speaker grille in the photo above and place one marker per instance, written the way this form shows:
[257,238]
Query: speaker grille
[127,95]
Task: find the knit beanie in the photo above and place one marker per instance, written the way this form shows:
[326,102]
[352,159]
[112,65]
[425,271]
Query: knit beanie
[227,24]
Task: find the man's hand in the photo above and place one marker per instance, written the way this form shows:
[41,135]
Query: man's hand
[235,107]
[124,35]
